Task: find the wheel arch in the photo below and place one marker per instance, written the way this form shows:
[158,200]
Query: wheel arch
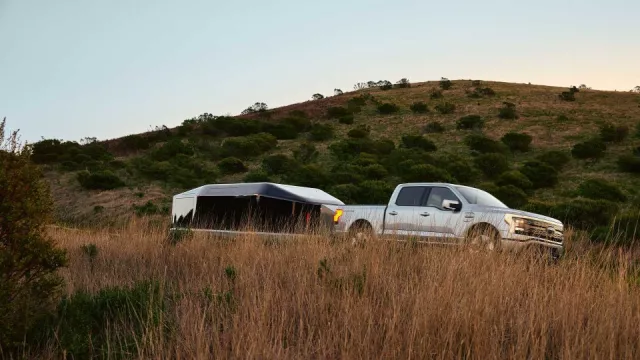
[480,225]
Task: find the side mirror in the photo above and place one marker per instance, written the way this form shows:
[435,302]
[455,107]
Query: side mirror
[451,205]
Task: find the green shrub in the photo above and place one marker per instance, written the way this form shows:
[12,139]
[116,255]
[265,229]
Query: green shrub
[486,91]
[305,153]
[419,107]
[555,158]
[171,149]
[426,173]
[348,192]
[445,84]
[320,132]
[308,175]
[591,149]
[257,176]
[388,108]
[360,132]
[484,145]
[601,189]
[346,119]
[445,108]
[249,146]
[515,178]
[393,161]
[350,148]
[233,126]
[508,111]
[638,129]
[629,163]
[492,164]
[344,173]
[134,143]
[110,323]
[470,122]
[375,172]
[434,127]
[517,141]
[511,196]
[585,213]
[374,192]
[336,112]
[418,142]
[282,131]
[460,168]
[277,164]
[149,208]
[29,259]
[231,165]
[567,96]
[540,174]
[612,133]
[100,180]
[436,94]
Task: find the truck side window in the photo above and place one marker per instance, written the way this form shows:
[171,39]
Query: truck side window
[438,194]
[411,196]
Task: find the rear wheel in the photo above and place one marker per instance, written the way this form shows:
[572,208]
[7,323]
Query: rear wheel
[360,233]
[483,238]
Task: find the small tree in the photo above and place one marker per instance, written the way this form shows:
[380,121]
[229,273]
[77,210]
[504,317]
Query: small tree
[508,111]
[445,84]
[337,92]
[388,108]
[403,83]
[257,107]
[317,96]
[636,89]
[592,149]
[612,133]
[470,122]
[445,108]
[419,107]
[29,259]
[517,141]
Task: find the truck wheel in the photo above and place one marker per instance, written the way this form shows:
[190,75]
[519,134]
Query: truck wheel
[483,237]
[360,233]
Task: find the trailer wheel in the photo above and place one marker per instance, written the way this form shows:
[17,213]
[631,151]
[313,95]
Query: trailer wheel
[360,233]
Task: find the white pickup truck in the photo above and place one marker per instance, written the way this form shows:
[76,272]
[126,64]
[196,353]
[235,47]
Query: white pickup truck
[449,214]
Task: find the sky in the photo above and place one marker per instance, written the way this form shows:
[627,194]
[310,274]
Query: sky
[71,69]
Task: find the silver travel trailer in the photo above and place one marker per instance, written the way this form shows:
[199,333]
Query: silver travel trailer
[259,208]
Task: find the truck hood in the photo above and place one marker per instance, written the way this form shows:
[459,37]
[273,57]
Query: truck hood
[519,213]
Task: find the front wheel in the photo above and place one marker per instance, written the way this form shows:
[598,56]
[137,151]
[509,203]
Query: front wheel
[484,238]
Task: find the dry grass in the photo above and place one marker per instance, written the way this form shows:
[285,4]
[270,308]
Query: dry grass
[397,300]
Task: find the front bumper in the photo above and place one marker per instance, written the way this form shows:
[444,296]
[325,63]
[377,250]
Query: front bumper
[519,242]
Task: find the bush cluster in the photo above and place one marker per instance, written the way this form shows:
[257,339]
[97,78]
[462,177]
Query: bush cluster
[592,149]
[100,180]
[508,111]
[470,122]
[517,141]
[29,261]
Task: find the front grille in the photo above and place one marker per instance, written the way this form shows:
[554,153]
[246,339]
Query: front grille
[541,230]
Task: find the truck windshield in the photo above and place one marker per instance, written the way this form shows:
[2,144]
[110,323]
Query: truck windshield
[479,197]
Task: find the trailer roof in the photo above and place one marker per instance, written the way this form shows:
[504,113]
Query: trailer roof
[278,191]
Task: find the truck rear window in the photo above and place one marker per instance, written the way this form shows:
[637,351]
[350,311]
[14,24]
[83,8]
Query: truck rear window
[411,196]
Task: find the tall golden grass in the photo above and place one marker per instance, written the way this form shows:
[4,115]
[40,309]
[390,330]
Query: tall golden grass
[309,298]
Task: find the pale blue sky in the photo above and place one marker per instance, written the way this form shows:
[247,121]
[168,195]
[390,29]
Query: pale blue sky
[70,69]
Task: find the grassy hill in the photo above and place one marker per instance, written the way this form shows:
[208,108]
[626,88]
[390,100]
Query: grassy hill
[572,153]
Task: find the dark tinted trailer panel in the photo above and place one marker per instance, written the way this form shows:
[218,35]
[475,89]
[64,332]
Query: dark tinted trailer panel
[255,213]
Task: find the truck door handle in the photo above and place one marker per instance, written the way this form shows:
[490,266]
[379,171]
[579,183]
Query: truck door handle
[393,213]
[424,214]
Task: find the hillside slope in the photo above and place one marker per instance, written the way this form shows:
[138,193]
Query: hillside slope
[360,144]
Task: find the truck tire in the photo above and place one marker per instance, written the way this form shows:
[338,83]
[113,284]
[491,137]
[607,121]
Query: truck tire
[483,237]
[360,233]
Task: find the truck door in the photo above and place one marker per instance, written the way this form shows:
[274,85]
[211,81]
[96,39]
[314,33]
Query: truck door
[405,216]
[442,222]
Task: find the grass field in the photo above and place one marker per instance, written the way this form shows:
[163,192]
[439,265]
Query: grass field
[316,299]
